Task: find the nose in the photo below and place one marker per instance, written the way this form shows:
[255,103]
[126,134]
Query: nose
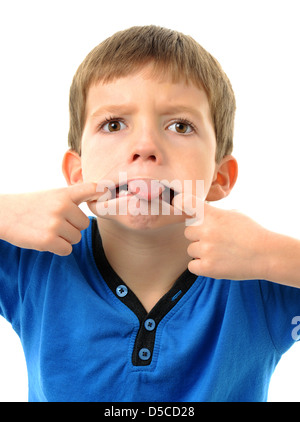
[144,156]
[146,148]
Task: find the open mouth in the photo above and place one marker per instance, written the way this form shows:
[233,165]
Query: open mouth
[145,189]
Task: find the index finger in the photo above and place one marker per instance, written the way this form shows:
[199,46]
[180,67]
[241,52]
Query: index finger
[192,206]
[84,192]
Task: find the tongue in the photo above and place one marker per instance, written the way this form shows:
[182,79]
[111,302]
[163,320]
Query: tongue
[146,189]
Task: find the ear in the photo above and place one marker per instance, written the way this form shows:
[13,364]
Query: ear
[71,167]
[224,179]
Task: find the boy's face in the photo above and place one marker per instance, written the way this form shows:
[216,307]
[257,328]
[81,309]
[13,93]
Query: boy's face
[148,129]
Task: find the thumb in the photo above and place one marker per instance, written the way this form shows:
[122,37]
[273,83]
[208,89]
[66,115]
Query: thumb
[84,192]
[190,205]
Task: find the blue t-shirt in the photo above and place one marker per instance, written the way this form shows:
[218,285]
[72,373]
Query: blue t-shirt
[86,336]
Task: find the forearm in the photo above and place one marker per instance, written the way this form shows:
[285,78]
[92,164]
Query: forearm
[231,245]
[7,205]
[282,259]
[46,221]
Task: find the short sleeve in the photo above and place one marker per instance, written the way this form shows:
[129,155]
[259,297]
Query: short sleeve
[282,312]
[15,268]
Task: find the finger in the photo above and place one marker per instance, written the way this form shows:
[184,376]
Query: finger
[116,206]
[194,250]
[70,234]
[191,206]
[84,192]
[105,187]
[60,247]
[194,266]
[191,234]
[77,218]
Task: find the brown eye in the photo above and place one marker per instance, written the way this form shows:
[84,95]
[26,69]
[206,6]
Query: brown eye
[181,127]
[113,126]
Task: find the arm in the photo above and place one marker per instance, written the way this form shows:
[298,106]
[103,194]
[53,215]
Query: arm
[283,263]
[46,221]
[228,244]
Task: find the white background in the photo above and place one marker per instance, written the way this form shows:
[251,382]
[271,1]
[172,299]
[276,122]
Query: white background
[257,43]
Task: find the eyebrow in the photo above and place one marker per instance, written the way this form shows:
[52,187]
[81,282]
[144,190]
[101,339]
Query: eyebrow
[177,109]
[112,108]
[165,111]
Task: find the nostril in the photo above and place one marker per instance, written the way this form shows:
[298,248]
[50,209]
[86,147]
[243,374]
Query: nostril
[150,157]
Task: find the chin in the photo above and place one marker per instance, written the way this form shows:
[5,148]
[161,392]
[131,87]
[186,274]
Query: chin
[139,222]
[146,223]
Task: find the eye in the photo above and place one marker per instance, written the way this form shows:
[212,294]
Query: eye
[113,125]
[182,127]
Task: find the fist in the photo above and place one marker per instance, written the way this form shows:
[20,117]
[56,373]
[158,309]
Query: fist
[47,221]
[224,244]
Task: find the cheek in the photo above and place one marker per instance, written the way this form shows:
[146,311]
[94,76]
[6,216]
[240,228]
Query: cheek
[94,162]
[199,176]
[90,168]
[100,160]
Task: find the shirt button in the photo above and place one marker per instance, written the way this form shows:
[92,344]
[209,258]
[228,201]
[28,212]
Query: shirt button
[149,324]
[144,354]
[121,290]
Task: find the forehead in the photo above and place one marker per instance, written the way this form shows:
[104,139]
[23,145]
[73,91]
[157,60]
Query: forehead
[144,88]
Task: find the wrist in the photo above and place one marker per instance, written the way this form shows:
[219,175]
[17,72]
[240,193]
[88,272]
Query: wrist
[4,216]
[281,255]
[268,255]
[259,257]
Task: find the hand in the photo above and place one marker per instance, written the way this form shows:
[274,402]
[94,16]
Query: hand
[46,221]
[226,244]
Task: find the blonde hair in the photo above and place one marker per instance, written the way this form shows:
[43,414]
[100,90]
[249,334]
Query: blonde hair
[173,54]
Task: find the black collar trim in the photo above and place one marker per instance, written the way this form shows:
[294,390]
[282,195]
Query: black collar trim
[146,337]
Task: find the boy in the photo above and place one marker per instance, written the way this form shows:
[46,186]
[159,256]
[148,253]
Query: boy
[135,305]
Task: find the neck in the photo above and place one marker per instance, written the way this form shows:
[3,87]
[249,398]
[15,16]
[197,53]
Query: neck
[149,262]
